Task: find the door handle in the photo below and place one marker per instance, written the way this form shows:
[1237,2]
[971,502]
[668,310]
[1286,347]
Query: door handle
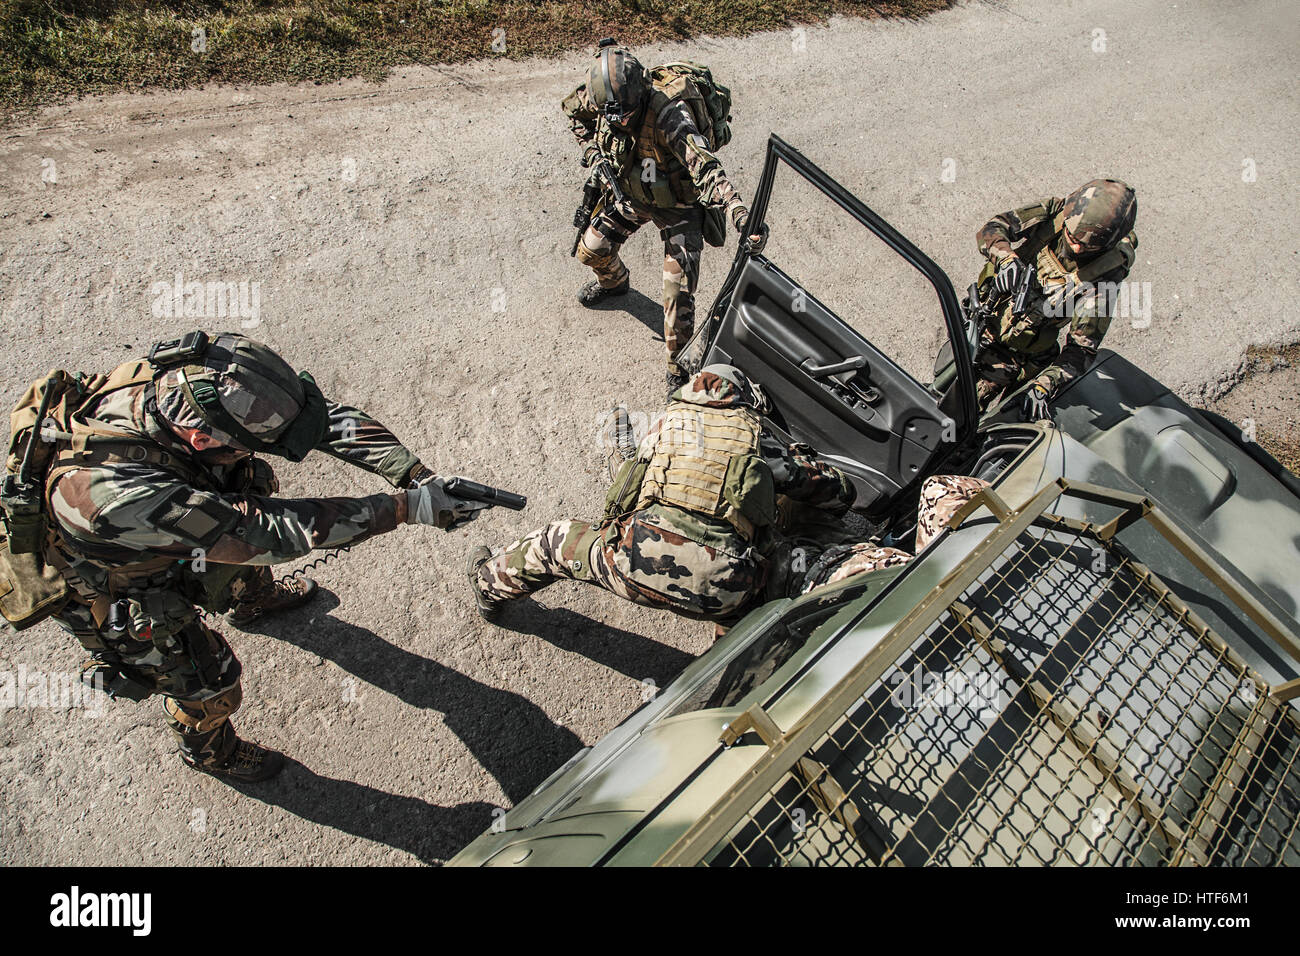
[822,371]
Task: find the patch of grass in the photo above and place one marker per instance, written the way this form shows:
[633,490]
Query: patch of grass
[54,49]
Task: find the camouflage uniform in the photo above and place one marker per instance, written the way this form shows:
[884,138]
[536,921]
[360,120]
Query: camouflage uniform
[941,496]
[669,177]
[663,555]
[1025,348]
[172,533]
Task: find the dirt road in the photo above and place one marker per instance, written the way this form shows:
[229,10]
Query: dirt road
[407,243]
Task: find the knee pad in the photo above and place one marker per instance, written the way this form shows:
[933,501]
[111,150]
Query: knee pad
[202,716]
[586,256]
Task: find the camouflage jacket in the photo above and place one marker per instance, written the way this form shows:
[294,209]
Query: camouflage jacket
[1086,309]
[666,164]
[122,513]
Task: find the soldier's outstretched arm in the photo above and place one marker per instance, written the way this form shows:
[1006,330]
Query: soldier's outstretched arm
[357,438]
[996,236]
[161,517]
[158,516]
[798,474]
[689,145]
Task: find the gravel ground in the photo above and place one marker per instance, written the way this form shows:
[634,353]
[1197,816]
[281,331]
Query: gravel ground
[409,243]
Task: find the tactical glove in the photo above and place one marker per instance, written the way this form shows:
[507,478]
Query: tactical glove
[740,219]
[1033,404]
[431,504]
[1010,271]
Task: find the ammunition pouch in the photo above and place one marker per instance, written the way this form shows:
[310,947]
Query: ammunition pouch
[625,489]
[23,518]
[30,589]
[749,489]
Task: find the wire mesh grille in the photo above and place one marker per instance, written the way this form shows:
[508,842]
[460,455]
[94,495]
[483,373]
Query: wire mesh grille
[1067,709]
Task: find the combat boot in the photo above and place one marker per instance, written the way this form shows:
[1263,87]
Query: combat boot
[271,599]
[592,294]
[487,609]
[247,763]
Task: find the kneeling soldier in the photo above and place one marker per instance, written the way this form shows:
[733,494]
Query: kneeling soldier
[149,504]
[691,524]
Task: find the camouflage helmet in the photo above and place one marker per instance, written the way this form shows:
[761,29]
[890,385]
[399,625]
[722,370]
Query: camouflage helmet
[617,82]
[240,392]
[721,386]
[1100,214]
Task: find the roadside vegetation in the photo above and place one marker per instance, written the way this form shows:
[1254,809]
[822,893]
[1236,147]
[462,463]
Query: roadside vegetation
[53,49]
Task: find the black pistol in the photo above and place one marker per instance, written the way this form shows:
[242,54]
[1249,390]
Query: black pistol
[473,491]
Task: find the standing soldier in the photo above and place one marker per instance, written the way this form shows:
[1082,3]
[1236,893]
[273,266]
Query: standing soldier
[1078,249]
[691,524]
[659,131]
[146,503]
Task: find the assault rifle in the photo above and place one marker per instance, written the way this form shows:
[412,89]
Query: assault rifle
[602,180]
[978,313]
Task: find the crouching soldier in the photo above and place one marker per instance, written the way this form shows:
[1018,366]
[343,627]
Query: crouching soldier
[690,524]
[135,499]
[1075,251]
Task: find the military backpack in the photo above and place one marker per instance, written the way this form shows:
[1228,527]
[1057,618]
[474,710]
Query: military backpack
[709,101]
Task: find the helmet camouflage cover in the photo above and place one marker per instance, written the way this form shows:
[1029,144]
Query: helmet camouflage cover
[721,386]
[255,387]
[1100,213]
[617,82]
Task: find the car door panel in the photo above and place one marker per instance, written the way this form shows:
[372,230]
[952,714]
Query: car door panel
[828,385]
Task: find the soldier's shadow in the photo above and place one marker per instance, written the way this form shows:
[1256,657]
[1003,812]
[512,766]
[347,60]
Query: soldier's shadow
[510,736]
[429,832]
[630,654]
[641,307]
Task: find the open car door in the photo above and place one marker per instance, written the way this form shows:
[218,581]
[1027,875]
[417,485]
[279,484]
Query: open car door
[827,384]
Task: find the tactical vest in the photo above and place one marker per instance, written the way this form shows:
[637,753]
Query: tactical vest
[1035,332]
[705,460]
[648,172]
[33,591]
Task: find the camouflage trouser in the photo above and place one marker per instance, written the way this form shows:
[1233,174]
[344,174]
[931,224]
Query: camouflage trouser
[682,231]
[195,669]
[691,580]
[941,496]
[1000,371]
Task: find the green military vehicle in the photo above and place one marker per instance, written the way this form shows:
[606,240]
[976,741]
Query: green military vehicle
[1094,664]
